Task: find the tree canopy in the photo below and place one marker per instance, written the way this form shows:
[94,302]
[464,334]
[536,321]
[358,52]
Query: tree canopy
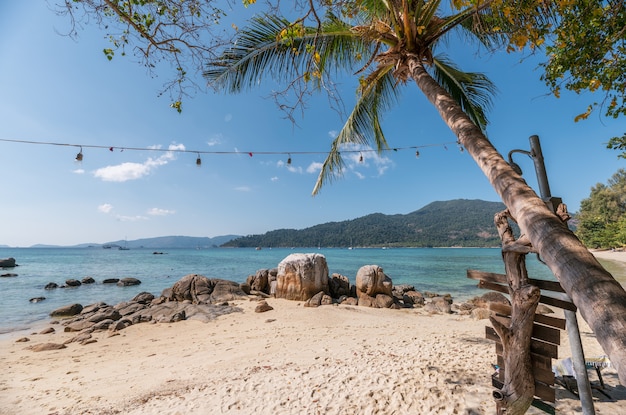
[602,216]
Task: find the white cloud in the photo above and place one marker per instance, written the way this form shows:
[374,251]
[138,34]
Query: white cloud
[160,212]
[314,167]
[105,208]
[79,171]
[133,171]
[333,134]
[215,140]
[243,189]
[274,179]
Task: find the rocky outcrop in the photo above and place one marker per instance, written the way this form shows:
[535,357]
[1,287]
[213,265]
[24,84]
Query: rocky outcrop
[301,276]
[73,283]
[370,282]
[8,263]
[127,282]
[201,290]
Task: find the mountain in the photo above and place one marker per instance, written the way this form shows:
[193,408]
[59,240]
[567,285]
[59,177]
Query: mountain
[458,222]
[175,242]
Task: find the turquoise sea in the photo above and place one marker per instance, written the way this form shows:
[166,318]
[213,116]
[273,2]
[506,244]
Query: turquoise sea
[441,270]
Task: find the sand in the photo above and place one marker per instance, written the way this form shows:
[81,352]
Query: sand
[290,360]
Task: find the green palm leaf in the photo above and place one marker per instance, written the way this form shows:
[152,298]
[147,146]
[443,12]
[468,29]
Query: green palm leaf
[473,91]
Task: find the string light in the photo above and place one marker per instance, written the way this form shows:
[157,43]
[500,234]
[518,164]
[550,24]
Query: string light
[79,156]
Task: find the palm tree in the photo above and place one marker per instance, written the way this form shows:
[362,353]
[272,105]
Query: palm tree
[398,39]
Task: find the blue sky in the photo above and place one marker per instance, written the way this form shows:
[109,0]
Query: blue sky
[55,89]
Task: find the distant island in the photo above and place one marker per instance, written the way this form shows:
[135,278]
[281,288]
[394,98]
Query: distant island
[453,223]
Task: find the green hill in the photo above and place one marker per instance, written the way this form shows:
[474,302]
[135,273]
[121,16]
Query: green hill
[451,223]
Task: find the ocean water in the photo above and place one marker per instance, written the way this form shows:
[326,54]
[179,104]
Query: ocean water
[441,270]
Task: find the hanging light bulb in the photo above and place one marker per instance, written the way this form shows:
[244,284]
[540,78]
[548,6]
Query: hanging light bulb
[417,153]
[198,161]
[79,156]
[360,157]
[289,160]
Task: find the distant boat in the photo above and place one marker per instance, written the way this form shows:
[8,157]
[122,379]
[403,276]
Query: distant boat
[125,247]
[107,246]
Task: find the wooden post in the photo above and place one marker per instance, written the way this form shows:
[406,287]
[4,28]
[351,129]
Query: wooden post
[516,395]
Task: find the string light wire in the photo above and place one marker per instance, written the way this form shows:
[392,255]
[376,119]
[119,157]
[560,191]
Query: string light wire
[198,152]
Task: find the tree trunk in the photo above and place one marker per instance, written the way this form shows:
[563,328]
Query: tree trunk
[600,299]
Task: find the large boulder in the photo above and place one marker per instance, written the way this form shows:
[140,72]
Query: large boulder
[7,263]
[201,290]
[127,282]
[371,281]
[67,311]
[301,276]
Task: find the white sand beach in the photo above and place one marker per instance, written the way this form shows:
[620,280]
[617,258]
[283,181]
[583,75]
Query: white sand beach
[289,360]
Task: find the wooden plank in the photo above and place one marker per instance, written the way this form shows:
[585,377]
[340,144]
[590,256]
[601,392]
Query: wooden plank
[547,285]
[565,305]
[505,310]
[536,346]
[541,373]
[540,332]
[501,279]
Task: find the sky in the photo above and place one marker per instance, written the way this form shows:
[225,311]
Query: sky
[59,90]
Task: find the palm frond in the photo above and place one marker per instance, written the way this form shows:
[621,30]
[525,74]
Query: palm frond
[378,92]
[272,47]
[473,91]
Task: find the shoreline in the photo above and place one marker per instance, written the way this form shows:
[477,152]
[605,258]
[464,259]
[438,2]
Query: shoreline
[292,359]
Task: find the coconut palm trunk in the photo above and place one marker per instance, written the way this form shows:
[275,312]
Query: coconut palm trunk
[600,299]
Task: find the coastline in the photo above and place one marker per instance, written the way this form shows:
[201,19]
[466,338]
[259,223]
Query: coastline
[292,359]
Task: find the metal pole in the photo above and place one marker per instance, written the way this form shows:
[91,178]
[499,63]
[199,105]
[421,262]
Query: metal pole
[540,168]
[571,321]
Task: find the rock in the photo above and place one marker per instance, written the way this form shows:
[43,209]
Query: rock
[22,340]
[301,276]
[338,285]
[371,281]
[88,280]
[199,289]
[442,304]
[78,325]
[259,281]
[47,346]
[120,325]
[315,301]
[480,313]
[383,301]
[490,297]
[51,286]
[37,299]
[127,282]
[81,337]
[413,297]
[8,263]
[8,275]
[245,287]
[126,309]
[143,298]
[262,307]
[111,281]
[72,283]
[92,308]
[106,314]
[47,331]
[350,301]
[544,309]
[67,311]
